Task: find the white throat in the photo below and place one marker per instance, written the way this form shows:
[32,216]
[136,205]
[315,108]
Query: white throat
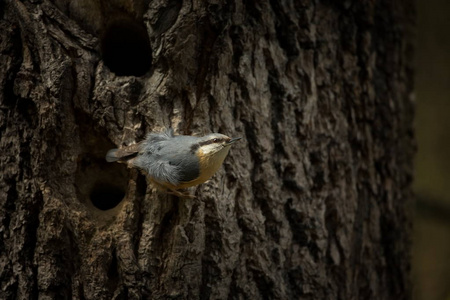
[214,148]
[214,156]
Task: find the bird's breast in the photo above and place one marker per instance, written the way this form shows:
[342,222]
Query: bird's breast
[209,164]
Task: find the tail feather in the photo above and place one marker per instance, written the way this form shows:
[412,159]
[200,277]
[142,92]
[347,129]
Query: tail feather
[112,156]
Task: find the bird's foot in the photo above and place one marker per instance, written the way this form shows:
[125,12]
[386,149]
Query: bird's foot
[180,194]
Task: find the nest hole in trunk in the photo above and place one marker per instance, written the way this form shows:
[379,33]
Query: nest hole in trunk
[125,48]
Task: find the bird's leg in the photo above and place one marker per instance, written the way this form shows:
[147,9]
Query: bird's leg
[180,194]
[171,191]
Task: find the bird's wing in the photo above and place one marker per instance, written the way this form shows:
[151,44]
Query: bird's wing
[150,145]
[164,171]
[151,160]
[167,158]
[174,171]
[161,170]
[188,166]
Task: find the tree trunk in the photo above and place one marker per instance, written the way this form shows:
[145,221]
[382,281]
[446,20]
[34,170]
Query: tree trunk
[311,204]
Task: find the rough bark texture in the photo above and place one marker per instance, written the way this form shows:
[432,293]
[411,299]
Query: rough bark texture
[312,204]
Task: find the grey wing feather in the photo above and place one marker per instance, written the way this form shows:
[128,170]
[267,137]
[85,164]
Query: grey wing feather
[166,158]
[160,169]
[189,167]
[163,171]
[151,160]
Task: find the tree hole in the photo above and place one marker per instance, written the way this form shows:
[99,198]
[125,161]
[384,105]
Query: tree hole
[106,196]
[100,184]
[126,48]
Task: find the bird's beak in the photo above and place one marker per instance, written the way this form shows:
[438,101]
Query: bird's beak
[233,140]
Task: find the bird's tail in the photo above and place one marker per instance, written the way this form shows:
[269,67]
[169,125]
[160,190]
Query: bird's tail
[112,156]
[123,154]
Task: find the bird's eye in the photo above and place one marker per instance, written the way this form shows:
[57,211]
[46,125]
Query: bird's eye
[215,140]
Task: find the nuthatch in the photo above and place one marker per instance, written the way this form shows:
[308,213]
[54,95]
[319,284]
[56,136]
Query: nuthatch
[176,161]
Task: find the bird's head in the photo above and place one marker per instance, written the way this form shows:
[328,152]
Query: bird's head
[215,143]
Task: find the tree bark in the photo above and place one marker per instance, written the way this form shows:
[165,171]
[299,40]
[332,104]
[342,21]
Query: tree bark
[311,204]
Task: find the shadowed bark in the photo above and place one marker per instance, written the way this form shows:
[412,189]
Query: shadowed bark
[311,204]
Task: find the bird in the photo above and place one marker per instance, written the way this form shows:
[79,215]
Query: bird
[173,162]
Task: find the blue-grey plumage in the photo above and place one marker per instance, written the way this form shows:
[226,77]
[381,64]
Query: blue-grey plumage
[176,161]
[163,156]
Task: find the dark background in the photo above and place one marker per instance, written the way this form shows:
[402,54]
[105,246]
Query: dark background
[431,238]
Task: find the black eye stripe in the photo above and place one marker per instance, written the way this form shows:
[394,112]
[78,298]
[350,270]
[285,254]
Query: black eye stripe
[212,141]
[194,148]
[208,142]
